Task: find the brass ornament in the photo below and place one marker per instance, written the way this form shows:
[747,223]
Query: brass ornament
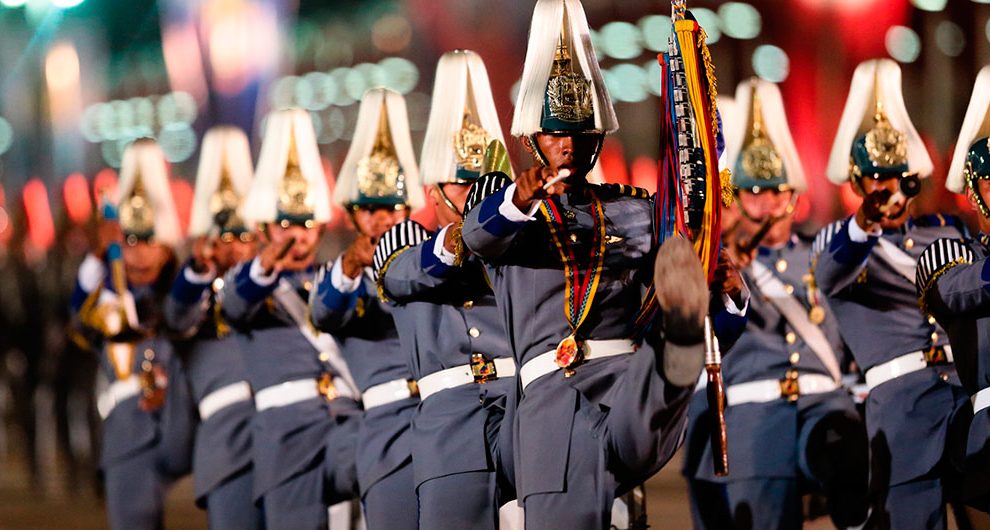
[469,145]
[293,191]
[379,174]
[760,159]
[225,200]
[885,145]
[136,213]
[568,93]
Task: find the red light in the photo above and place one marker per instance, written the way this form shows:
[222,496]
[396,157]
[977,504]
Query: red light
[75,195]
[105,186]
[182,194]
[41,227]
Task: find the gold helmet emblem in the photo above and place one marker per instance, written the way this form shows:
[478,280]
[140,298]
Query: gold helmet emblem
[760,159]
[469,144]
[379,174]
[569,94]
[293,191]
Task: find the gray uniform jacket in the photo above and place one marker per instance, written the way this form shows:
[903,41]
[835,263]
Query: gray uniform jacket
[223,442]
[876,306]
[370,344]
[445,314]
[286,440]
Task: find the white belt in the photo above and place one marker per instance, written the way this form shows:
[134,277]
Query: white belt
[981,400]
[461,375]
[284,394]
[390,392]
[903,365]
[223,397]
[545,363]
[115,394]
[769,390]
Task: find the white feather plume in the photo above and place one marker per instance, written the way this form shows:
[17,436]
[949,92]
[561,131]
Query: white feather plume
[775,123]
[544,34]
[261,205]
[973,128]
[144,158]
[857,118]
[461,83]
[223,147]
[365,133]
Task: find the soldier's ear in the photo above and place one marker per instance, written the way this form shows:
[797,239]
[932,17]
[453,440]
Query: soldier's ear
[527,142]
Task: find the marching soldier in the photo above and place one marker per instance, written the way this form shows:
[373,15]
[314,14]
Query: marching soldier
[305,425]
[212,355]
[866,268]
[146,409]
[450,329]
[789,420]
[952,285]
[379,185]
[599,413]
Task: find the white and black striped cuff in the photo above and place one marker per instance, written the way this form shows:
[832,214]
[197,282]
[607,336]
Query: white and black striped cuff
[484,187]
[405,234]
[937,258]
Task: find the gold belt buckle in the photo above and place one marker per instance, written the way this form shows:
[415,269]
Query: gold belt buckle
[413,387]
[326,387]
[936,355]
[482,369]
[789,387]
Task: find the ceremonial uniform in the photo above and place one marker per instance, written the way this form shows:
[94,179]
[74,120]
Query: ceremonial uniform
[376,172]
[869,281]
[952,280]
[304,431]
[790,423]
[143,451]
[222,468]
[451,331]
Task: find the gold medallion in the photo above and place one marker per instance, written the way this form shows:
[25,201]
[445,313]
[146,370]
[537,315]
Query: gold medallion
[568,352]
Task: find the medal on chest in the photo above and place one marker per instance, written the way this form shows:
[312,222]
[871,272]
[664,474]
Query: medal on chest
[581,276]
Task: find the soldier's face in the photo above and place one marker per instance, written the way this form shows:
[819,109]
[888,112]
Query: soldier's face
[895,217]
[575,152]
[376,221]
[228,253]
[456,194]
[767,204]
[983,187]
[306,242]
[144,261]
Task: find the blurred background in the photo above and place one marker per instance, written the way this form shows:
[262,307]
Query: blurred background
[79,79]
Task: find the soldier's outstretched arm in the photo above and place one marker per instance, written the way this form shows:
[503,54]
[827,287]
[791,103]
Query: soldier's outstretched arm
[246,286]
[840,253]
[334,298]
[493,220]
[187,304]
[409,263]
[950,281]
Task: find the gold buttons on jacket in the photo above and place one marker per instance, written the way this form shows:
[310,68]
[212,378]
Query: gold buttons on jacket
[908,243]
[794,358]
[781,265]
[469,304]
[474,332]
[790,337]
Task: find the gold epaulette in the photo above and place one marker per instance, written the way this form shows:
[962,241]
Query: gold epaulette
[624,190]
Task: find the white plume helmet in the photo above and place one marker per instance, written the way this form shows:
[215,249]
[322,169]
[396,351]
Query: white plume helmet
[144,171]
[728,112]
[366,137]
[461,86]
[875,80]
[975,125]
[773,122]
[225,152]
[550,18]
[286,130]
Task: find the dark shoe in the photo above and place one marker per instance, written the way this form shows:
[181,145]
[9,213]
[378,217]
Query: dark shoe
[682,292]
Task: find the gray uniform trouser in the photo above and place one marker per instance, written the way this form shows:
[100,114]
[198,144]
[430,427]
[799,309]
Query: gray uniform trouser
[135,492]
[390,503]
[465,501]
[230,506]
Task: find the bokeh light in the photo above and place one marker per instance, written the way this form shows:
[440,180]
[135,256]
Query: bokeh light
[771,63]
[903,44]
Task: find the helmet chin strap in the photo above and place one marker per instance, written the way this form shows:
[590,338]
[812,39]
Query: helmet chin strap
[446,200]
